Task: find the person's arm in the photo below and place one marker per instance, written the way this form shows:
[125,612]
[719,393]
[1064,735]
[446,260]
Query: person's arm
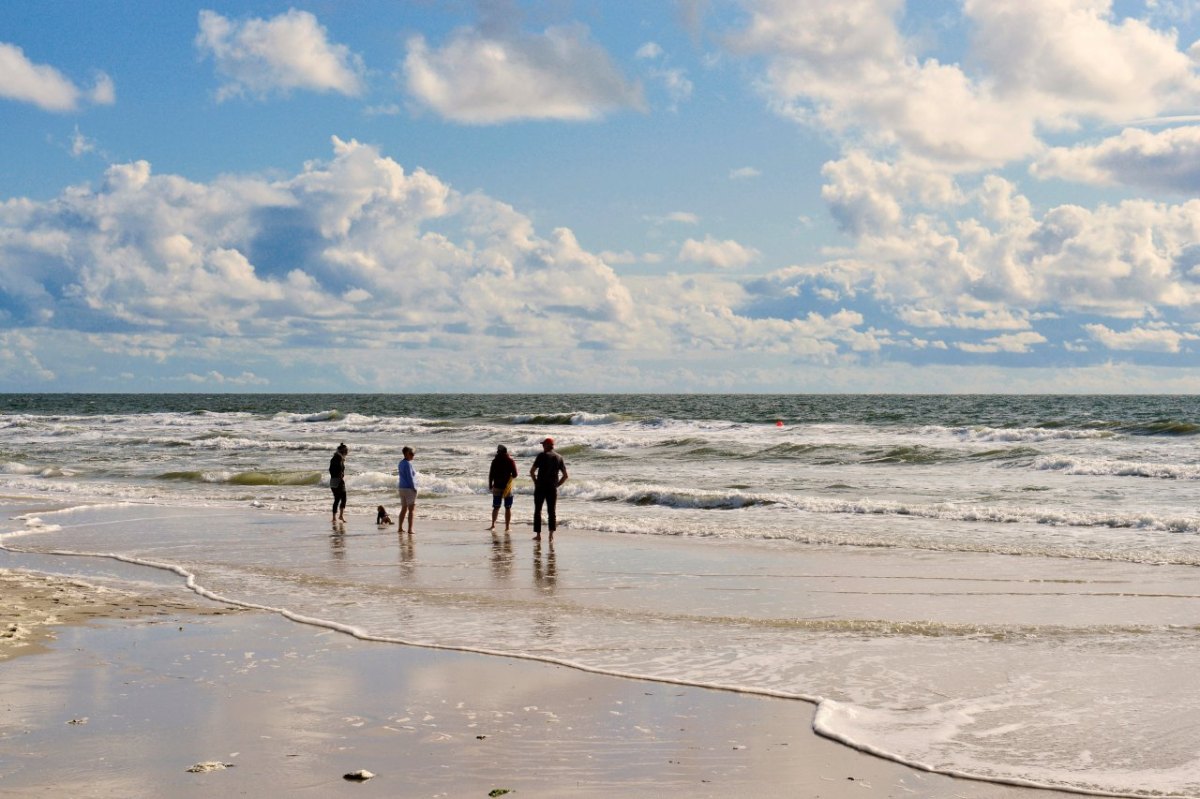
[563,479]
[533,470]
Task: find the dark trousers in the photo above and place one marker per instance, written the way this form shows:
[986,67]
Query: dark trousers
[339,499]
[549,496]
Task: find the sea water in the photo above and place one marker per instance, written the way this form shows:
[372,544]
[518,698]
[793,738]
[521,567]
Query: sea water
[1001,587]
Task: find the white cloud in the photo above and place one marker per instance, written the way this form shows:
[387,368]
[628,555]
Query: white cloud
[244,275]
[1039,65]
[477,79]
[290,51]
[80,144]
[744,173]
[1124,260]
[722,254]
[989,319]
[1149,339]
[1168,160]
[18,360]
[1009,342]
[1074,59]
[649,51]
[868,197]
[44,86]
[216,378]
[845,67]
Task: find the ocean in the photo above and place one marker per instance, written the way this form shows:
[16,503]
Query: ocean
[1001,587]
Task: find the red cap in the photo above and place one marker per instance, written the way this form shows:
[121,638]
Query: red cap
[548,440]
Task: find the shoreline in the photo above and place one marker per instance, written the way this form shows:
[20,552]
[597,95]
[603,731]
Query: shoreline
[163,684]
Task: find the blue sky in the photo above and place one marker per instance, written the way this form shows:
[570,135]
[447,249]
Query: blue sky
[600,195]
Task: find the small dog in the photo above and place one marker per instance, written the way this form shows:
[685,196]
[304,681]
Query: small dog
[381,516]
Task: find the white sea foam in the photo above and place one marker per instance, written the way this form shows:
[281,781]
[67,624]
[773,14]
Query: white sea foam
[1021,434]
[1112,468]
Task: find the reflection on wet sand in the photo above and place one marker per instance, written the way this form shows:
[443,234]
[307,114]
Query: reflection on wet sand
[545,578]
[502,557]
[408,557]
[337,541]
[545,572]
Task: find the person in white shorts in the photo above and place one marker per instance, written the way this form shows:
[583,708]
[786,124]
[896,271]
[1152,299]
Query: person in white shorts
[408,490]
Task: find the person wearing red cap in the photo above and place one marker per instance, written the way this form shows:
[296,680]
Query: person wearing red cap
[545,471]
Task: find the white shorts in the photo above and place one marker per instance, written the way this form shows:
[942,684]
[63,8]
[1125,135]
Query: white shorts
[408,497]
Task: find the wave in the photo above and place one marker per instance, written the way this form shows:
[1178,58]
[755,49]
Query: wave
[251,478]
[668,497]
[571,418]
[1162,427]
[25,470]
[733,499]
[320,416]
[914,454]
[1110,468]
[1022,434]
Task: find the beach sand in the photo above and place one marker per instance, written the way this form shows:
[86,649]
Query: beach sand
[121,694]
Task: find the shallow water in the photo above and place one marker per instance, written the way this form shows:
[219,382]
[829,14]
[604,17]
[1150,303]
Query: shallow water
[1002,587]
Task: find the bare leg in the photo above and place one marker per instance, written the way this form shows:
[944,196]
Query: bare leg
[507,519]
[412,512]
[495,513]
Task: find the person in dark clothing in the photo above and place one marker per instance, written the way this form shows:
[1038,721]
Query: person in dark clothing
[500,482]
[337,482]
[545,473]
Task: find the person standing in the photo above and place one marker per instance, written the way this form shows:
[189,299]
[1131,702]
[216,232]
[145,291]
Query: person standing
[500,482]
[408,490]
[337,482]
[545,473]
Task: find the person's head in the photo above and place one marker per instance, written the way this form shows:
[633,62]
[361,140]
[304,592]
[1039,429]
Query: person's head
[408,453]
[380,510]
[547,443]
[343,449]
[501,450]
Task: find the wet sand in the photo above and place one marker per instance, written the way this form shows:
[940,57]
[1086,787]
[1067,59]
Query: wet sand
[122,693]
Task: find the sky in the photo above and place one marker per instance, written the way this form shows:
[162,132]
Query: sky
[966,196]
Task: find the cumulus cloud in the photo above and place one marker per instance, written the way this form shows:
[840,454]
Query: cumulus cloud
[477,78]
[1165,161]
[259,57]
[353,254]
[744,173]
[1149,339]
[1075,59]
[845,67]
[722,254]
[44,86]
[869,197]
[1038,64]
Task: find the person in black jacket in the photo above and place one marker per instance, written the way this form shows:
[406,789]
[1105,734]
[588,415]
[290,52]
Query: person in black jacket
[546,468]
[337,482]
[500,483]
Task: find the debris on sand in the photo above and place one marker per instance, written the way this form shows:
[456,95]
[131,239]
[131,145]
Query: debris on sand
[209,765]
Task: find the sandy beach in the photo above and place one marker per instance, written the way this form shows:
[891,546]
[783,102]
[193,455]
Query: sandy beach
[120,694]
